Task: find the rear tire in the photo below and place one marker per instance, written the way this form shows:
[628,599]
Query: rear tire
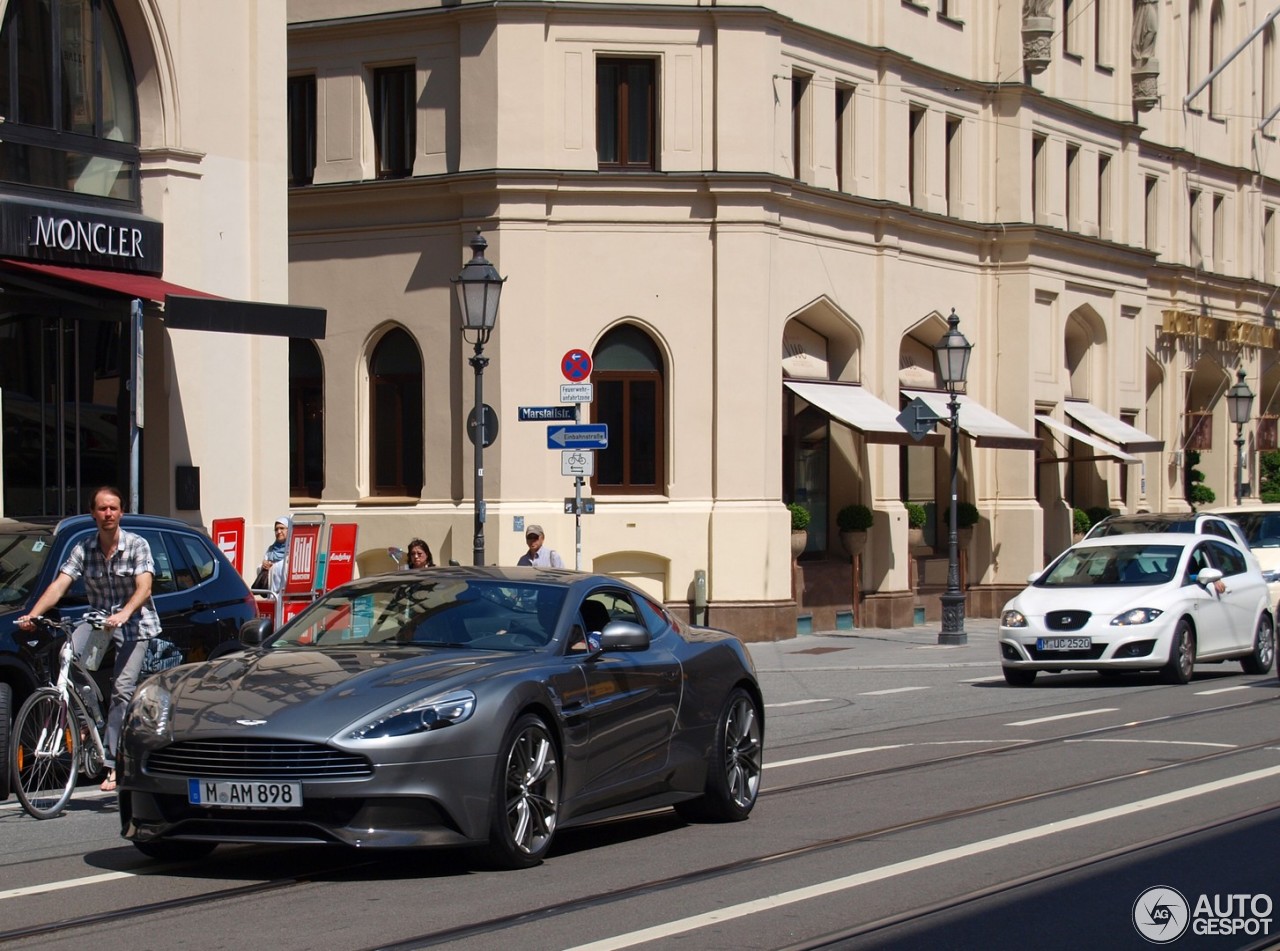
[733,773]
[1182,656]
[1263,655]
[524,802]
[45,754]
[6,724]
[174,850]
[1017,677]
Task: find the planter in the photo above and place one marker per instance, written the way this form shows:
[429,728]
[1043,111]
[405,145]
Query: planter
[915,539]
[964,536]
[799,540]
[1146,86]
[853,543]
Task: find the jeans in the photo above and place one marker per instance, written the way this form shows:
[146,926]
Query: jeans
[129,657]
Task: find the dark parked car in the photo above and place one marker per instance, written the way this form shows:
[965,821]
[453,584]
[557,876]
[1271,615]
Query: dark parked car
[201,599]
[445,707]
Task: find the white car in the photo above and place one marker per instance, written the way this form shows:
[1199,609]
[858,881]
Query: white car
[1261,526]
[1140,602]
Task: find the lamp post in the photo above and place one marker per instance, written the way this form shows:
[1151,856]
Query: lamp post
[479,286]
[952,353]
[1239,406]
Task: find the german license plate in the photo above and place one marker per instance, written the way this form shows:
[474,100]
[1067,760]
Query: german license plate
[1064,643]
[244,795]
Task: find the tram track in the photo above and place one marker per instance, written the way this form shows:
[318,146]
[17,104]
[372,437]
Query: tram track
[696,876]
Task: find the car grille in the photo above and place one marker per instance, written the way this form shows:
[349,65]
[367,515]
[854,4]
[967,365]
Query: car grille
[1066,620]
[252,759]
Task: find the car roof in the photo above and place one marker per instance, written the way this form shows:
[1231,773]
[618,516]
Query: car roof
[1229,510]
[1146,538]
[557,576]
[1157,519]
[52,524]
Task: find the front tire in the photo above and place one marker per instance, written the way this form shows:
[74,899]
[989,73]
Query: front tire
[733,775]
[525,800]
[45,754]
[1182,656]
[1017,677]
[1263,655]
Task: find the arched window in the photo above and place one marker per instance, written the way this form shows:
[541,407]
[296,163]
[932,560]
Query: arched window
[628,378]
[395,385]
[306,419]
[67,96]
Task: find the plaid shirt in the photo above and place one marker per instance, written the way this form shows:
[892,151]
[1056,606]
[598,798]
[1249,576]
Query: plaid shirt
[109,585]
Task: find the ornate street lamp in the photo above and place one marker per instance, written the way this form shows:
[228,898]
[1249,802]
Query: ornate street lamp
[479,286]
[1239,406]
[952,353]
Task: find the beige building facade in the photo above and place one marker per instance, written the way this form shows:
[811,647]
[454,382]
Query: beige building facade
[757,220]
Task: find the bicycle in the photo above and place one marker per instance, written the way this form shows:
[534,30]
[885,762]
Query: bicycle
[58,732]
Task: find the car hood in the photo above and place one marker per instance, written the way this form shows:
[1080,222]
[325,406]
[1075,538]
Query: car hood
[1036,602]
[315,692]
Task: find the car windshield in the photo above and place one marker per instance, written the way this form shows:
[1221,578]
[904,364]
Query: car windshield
[1136,525]
[470,613]
[1107,565]
[22,556]
[1261,529]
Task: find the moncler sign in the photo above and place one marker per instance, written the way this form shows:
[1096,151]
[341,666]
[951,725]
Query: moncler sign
[96,237]
[62,233]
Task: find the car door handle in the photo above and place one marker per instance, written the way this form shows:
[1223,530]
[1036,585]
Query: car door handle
[200,606]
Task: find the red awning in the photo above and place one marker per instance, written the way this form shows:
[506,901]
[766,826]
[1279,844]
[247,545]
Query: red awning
[130,285]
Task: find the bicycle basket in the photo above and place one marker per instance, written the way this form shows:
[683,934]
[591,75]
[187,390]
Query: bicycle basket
[91,644]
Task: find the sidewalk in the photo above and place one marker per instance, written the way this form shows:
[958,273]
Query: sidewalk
[884,647]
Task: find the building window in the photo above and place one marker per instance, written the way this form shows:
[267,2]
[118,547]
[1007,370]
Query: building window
[1104,196]
[1215,57]
[302,129]
[628,377]
[844,135]
[1102,54]
[626,120]
[952,173]
[1269,245]
[395,384]
[1073,188]
[1196,250]
[1151,212]
[67,96]
[1268,72]
[1195,60]
[1219,233]
[916,156]
[306,420]
[801,160]
[394,120]
[1039,156]
[1073,27]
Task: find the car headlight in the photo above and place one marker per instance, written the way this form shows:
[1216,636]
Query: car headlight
[1137,616]
[419,716]
[150,709]
[1011,618]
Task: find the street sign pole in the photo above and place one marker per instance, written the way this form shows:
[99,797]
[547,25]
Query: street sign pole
[577,505]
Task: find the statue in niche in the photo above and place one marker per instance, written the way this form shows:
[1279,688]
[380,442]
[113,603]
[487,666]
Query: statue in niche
[1035,8]
[1145,24]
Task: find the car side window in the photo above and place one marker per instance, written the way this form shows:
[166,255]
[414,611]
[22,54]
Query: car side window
[598,609]
[1227,559]
[654,617]
[165,581]
[1199,559]
[199,557]
[1214,527]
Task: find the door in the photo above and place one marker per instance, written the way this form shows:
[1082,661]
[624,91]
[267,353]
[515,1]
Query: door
[1213,622]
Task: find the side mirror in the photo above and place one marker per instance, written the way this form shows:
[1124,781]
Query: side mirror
[624,636]
[1034,576]
[253,633]
[1207,576]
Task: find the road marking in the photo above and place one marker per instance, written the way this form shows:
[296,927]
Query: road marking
[1064,716]
[67,883]
[847,882]
[1210,693]
[1225,746]
[981,680]
[882,693]
[836,755]
[796,703]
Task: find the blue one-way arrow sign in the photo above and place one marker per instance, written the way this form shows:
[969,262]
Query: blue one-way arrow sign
[594,436]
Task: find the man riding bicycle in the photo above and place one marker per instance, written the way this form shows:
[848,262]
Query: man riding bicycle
[118,570]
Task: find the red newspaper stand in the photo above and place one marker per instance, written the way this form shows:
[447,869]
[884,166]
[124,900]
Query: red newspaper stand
[302,583]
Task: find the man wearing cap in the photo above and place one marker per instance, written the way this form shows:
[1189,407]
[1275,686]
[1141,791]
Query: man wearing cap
[537,556]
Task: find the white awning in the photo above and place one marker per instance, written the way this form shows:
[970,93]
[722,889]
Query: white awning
[988,430]
[1127,437]
[854,406]
[1101,445]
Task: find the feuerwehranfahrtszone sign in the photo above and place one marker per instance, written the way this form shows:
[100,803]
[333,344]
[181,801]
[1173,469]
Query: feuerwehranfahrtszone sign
[575,392]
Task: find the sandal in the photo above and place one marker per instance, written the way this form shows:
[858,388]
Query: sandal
[109,784]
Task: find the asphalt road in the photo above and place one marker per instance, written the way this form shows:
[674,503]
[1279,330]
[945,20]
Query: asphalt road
[911,800]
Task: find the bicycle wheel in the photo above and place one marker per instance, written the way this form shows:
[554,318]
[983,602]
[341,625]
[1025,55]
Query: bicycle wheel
[45,754]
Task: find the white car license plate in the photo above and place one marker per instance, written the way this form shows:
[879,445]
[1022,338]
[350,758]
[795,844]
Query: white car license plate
[1064,643]
[244,795]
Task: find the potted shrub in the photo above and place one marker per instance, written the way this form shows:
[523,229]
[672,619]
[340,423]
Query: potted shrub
[799,528]
[967,516]
[916,516]
[1079,523]
[853,521]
